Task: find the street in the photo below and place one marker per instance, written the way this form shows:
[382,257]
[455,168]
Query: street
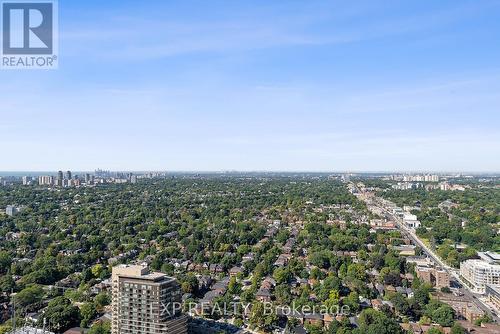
[454,273]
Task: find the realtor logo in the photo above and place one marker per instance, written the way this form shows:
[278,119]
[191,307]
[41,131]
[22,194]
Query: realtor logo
[29,31]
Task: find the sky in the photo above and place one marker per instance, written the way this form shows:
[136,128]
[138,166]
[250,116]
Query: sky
[406,85]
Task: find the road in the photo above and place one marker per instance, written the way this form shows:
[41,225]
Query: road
[452,271]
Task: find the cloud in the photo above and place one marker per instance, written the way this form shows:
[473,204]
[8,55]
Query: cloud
[127,38]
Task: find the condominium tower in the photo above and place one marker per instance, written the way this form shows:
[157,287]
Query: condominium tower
[145,302]
[479,273]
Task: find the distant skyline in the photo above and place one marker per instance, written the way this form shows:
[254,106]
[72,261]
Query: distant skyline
[34,173]
[261,86]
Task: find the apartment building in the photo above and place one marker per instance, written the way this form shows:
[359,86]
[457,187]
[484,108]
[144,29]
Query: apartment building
[442,278]
[479,273]
[463,307]
[493,294]
[436,277]
[11,210]
[145,302]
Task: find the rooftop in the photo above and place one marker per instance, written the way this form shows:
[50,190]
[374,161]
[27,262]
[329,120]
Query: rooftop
[139,272]
[30,330]
[490,257]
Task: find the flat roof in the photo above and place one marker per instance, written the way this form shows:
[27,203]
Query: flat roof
[489,256]
[139,272]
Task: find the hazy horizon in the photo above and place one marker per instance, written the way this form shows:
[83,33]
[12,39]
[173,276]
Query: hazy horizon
[229,171]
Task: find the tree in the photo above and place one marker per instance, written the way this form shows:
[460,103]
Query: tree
[376,322]
[260,317]
[61,314]
[190,284]
[238,322]
[392,261]
[444,315]
[333,299]
[342,270]
[101,328]
[101,300]
[314,328]
[283,295]
[457,329]
[320,259]
[233,286]
[97,270]
[87,275]
[167,268]
[401,304]
[248,295]
[317,274]
[88,312]
[485,318]
[29,295]
[356,271]
[391,277]
[5,262]
[421,295]
[282,275]
[352,300]
[7,283]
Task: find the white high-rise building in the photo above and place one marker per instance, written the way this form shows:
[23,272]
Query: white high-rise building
[46,180]
[26,180]
[479,273]
[11,210]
